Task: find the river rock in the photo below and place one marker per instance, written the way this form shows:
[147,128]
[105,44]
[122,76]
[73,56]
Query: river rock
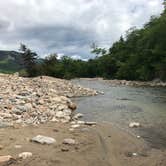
[90,123]
[75,126]
[34,101]
[77,116]
[69,141]
[134,124]
[5,115]
[4,159]
[80,122]
[43,139]
[72,106]
[25,155]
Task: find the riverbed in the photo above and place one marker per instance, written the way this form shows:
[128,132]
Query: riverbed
[120,105]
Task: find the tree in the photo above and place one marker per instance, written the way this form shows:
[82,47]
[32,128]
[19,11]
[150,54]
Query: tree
[29,60]
[164,3]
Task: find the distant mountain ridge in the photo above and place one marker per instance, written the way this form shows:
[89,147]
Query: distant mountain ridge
[10,61]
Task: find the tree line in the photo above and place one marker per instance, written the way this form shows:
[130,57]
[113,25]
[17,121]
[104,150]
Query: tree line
[139,55]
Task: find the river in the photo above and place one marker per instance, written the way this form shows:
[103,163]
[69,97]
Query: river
[121,105]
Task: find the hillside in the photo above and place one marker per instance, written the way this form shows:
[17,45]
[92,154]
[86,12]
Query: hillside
[10,61]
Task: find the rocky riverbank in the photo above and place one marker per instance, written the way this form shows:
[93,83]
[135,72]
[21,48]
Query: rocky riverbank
[32,101]
[38,127]
[154,83]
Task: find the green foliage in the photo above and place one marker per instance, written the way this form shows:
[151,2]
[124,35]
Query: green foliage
[139,55]
[29,60]
[23,73]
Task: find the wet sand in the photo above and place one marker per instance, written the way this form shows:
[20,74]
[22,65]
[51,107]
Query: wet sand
[100,145]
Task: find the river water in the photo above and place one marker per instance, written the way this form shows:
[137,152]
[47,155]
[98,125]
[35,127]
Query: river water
[121,105]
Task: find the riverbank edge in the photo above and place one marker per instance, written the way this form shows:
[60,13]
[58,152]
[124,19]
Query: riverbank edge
[100,145]
[116,82]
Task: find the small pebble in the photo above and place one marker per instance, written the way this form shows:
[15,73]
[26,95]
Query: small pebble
[134,154]
[64,149]
[25,155]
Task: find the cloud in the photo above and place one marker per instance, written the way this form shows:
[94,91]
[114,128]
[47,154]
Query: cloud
[69,27]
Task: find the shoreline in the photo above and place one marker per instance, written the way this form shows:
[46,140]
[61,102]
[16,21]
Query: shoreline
[115,82]
[99,145]
[88,143]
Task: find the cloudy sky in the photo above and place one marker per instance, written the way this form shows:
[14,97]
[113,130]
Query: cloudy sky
[70,26]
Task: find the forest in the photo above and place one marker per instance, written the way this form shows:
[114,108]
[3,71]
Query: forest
[139,55]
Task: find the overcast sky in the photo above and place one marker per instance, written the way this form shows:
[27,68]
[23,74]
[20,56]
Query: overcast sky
[70,26]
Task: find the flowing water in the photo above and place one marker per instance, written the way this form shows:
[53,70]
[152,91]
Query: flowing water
[121,105]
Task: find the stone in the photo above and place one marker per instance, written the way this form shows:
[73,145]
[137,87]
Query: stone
[64,149]
[134,124]
[90,123]
[4,159]
[54,120]
[73,122]
[65,120]
[72,106]
[71,129]
[60,114]
[69,141]
[77,116]
[134,154]
[5,115]
[75,126]
[25,155]
[80,122]
[67,112]
[43,139]
[28,106]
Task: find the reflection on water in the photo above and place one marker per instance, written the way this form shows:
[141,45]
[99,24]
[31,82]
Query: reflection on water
[121,105]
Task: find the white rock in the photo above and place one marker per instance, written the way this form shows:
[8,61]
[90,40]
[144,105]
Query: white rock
[5,115]
[65,120]
[54,120]
[73,122]
[18,121]
[134,124]
[69,141]
[25,155]
[43,139]
[90,123]
[62,107]
[80,122]
[77,116]
[28,106]
[60,114]
[134,154]
[75,126]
